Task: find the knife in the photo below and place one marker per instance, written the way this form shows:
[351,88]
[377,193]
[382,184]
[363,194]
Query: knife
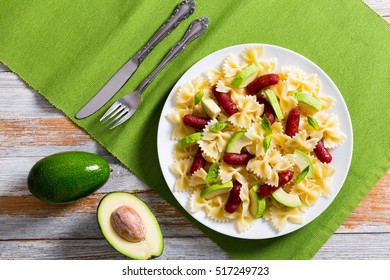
[182,11]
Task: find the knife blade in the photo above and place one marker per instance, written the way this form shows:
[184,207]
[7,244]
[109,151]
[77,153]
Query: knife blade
[182,11]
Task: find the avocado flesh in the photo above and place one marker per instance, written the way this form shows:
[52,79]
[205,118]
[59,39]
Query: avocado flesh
[190,139]
[286,199]
[151,246]
[211,108]
[237,142]
[303,160]
[273,100]
[68,176]
[257,204]
[245,77]
[307,103]
[216,189]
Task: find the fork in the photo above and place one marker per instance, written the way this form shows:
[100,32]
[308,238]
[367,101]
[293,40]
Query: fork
[124,108]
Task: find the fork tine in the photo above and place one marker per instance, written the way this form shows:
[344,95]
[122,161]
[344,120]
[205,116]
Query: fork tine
[110,118]
[122,120]
[118,115]
[112,109]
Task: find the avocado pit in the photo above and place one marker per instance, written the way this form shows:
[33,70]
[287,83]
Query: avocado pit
[128,224]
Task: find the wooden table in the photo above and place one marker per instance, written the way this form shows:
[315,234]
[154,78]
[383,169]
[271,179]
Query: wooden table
[31,128]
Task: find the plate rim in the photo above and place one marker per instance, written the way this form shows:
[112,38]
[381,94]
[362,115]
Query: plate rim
[162,119]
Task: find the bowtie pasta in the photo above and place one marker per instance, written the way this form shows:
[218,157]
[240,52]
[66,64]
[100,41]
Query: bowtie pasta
[249,146]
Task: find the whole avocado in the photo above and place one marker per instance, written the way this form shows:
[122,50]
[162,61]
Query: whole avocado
[67,176]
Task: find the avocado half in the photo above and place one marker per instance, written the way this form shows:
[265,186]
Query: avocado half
[151,246]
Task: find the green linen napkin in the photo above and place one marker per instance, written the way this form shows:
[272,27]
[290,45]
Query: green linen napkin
[67,50]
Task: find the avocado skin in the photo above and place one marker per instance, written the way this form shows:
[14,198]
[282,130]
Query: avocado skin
[68,176]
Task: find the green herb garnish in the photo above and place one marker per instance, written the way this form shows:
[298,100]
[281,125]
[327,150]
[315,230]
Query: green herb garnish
[198,97]
[218,126]
[212,174]
[266,125]
[266,143]
[312,122]
[302,175]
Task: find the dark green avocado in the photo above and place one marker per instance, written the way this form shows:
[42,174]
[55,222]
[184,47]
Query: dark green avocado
[68,176]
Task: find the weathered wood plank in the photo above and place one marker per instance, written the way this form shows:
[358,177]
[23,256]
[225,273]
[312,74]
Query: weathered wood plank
[14,172]
[356,246]
[373,213]
[382,7]
[341,246]
[36,220]
[175,249]
[3,68]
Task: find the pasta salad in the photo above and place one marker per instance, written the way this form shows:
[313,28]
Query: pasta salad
[254,141]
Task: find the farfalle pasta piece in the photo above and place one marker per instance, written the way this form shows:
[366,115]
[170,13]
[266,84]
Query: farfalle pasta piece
[231,66]
[185,94]
[279,215]
[223,85]
[229,172]
[301,142]
[286,100]
[326,101]
[323,176]
[268,66]
[308,191]
[268,167]
[184,152]
[328,130]
[256,134]
[297,80]
[253,56]
[248,111]
[213,207]
[180,169]
[213,143]
[198,178]
[214,75]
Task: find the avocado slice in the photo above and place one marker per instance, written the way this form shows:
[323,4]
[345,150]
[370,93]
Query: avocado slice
[303,160]
[273,100]
[307,103]
[257,204]
[286,199]
[190,139]
[152,244]
[216,189]
[237,142]
[245,77]
[211,108]
[67,176]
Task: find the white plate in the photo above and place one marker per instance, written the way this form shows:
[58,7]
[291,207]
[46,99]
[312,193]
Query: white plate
[341,156]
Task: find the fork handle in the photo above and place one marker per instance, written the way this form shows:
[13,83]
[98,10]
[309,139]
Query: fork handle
[182,11]
[196,28]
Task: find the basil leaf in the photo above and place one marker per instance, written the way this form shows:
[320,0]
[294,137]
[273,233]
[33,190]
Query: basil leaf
[218,126]
[267,143]
[266,125]
[312,122]
[212,174]
[198,97]
[302,175]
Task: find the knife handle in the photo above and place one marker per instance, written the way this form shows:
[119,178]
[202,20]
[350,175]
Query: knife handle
[196,28]
[183,10]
